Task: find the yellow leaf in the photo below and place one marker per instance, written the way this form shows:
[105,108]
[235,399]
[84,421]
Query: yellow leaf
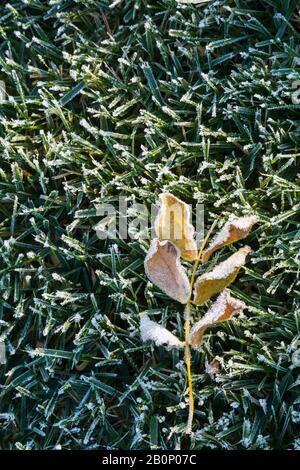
[232,231]
[173,223]
[221,276]
[223,309]
[163,268]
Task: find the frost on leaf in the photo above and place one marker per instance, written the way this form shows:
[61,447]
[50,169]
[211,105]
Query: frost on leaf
[193,1]
[221,276]
[232,231]
[173,223]
[223,309]
[151,330]
[213,368]
[163,268]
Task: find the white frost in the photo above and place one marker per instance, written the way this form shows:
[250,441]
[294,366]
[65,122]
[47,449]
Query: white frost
[217,310]
[164,278]
[151,330]
[222,309]
[227,267]
[242,225]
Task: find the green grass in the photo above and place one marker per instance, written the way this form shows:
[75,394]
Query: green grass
[132,100]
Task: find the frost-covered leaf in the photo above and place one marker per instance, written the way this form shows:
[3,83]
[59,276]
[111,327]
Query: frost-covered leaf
[213,368]
[163,268]
[193,1]
[151,330]
[231,232]
[173,223]
[221,276]
[223,309]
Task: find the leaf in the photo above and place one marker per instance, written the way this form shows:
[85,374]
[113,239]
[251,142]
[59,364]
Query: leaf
[223,309]
[213,368]
[173,223]
[194,1]
[151,330]
[163,268]
[232,231]
[221,276]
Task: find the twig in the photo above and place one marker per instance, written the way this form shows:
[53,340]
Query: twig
[187,331]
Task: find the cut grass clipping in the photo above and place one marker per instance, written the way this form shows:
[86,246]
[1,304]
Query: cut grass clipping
[137,98]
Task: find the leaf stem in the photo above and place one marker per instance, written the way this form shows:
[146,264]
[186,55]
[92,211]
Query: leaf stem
[187,331]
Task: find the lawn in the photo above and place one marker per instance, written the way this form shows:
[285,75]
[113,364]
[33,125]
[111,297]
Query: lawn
[131,98]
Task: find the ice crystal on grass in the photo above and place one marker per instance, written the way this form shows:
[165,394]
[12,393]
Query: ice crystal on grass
[229,112]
